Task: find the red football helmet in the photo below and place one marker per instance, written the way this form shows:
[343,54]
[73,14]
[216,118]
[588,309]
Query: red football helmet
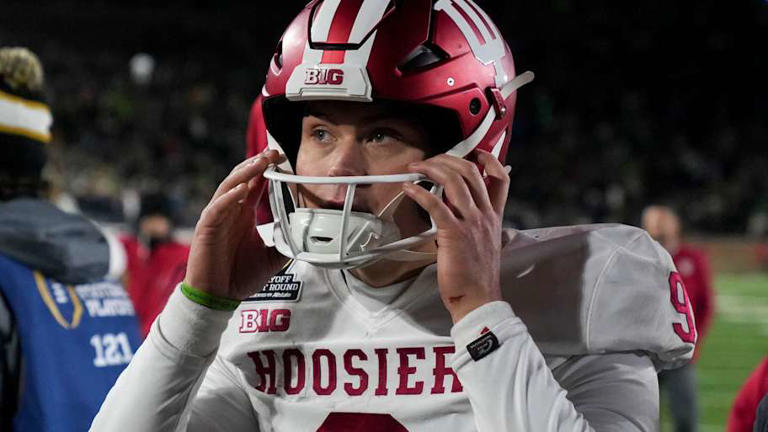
[445,56]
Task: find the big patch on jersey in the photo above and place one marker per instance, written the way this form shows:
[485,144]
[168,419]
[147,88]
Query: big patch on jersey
[283,286]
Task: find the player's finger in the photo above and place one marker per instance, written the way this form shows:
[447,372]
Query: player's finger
[498,180]
[256,188]
[247,218]
[435,206]
[245,171]
[242,175]
[456,189]
[217,211]
[471,175]
[266,153]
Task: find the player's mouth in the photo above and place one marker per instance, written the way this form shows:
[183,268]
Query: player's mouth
[336,202]
[339,205]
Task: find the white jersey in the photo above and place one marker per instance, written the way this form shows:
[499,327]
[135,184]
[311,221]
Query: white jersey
[594,318]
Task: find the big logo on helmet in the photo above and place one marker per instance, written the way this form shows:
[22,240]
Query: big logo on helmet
[321,76]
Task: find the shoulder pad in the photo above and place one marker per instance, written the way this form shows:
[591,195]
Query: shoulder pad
[591,289]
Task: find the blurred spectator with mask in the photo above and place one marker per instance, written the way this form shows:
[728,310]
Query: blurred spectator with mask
[663,224]
[750,408]
[156,261]
[67,326]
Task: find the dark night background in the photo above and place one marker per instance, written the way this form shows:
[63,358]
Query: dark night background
[634,102]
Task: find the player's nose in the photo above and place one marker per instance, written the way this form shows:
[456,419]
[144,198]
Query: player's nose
[348,160]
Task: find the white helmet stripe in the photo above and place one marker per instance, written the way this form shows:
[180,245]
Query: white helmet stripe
[321,26]
[370,14]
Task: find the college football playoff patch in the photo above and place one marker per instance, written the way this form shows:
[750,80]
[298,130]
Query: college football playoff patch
[283,287]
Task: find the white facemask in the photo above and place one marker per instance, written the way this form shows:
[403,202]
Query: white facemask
[342,238]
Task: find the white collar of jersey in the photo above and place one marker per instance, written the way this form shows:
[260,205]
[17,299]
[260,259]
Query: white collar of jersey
[374,299]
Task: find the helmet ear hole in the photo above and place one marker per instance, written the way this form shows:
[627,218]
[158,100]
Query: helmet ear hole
[475,105]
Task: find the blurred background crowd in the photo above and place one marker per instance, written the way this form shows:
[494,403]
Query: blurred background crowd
[653,101]
[634,103]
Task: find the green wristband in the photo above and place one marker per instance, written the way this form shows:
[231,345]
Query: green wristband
[208,300]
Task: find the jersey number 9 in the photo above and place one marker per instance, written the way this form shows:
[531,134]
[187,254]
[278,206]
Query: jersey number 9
[686,329]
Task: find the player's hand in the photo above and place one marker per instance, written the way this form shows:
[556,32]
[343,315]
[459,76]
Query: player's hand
[227,257]
[468,231]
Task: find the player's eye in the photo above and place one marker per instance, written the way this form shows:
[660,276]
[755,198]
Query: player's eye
[321,135]
[384,136]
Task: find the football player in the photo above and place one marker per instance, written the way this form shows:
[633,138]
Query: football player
[379,290]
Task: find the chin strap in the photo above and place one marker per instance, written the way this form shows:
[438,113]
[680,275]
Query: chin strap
[388,212]
[409,255]
[404,254]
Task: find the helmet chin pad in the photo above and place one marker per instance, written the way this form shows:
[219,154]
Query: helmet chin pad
[320,231]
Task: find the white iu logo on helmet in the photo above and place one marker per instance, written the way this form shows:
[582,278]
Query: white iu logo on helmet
[489,51]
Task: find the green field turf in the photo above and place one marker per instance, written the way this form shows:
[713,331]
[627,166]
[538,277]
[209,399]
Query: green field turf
[736,343]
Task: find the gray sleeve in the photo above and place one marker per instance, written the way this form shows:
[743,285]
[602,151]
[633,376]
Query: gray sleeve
[511,388]
[614,392]
[10,359]
[221,403]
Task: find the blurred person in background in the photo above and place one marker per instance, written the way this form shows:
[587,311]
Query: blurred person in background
[67,327]
[750,408]
[156,261]
[663,224]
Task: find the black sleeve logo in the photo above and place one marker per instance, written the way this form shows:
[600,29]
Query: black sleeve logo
[483,346]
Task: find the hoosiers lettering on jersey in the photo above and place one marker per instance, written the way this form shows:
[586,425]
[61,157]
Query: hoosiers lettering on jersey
[355,371]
